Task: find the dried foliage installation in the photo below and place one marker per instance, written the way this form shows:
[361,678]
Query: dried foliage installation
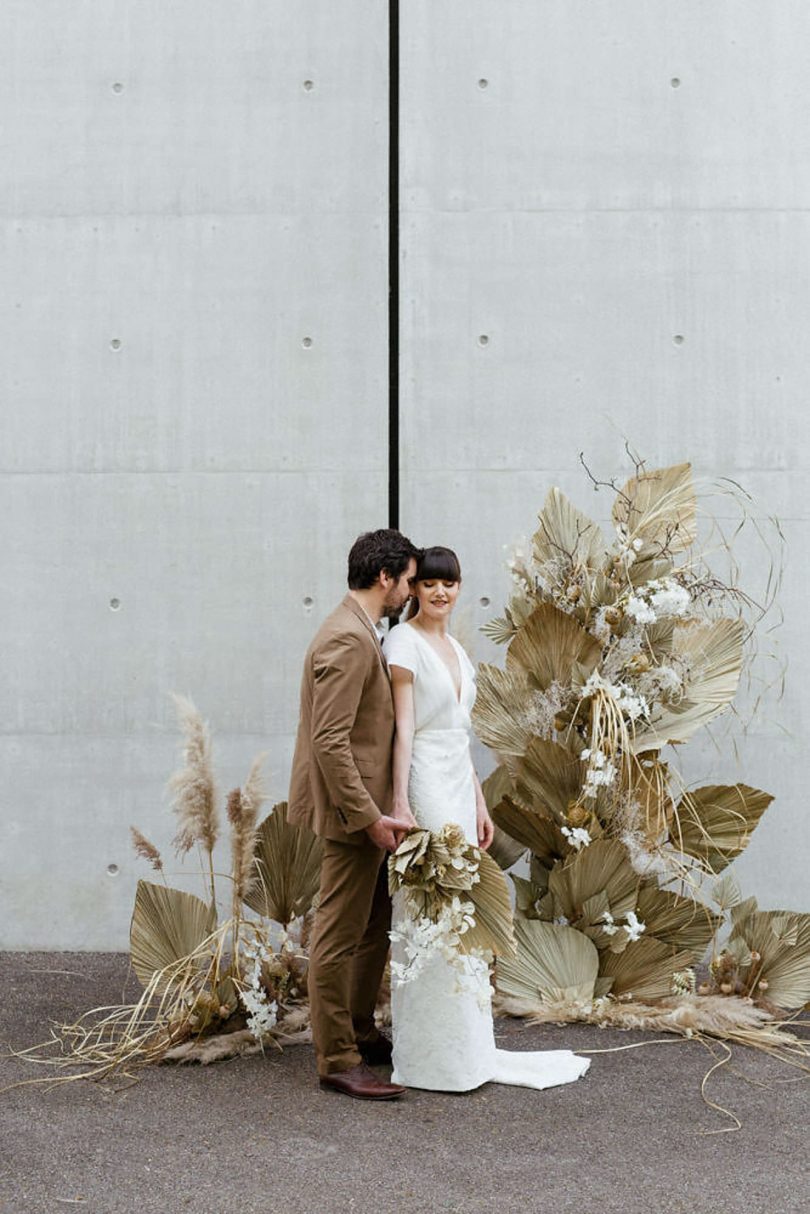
[616,650]
[212,988]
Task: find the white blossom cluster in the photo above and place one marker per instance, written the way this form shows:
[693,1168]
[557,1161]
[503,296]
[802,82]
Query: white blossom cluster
[661,598]
[630,703]
[422,939]
[578,837]
[262,1012]
[633,925]
[600,774]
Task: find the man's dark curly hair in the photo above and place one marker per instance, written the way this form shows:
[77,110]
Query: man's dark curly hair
[375,552]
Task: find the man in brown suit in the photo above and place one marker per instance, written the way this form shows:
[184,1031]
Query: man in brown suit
[341,789]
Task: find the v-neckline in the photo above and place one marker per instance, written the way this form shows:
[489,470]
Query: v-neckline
[456,693]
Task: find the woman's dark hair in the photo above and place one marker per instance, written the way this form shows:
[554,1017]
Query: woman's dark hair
[375,552]
[438,565]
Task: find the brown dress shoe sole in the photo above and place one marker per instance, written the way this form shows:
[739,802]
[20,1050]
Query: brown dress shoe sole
[361,1095]
[361,1086]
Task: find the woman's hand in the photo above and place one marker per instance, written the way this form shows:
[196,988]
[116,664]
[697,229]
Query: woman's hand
[486,828]
[402,812]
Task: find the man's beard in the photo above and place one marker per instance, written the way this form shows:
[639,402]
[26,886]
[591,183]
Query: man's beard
[393,613]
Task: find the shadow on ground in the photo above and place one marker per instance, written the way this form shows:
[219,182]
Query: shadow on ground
[258,1134]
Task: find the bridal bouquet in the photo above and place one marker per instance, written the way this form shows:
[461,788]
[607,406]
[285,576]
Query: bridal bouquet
[456,902]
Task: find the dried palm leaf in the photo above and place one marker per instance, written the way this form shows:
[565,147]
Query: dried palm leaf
[551,647]
[288,863]
[566,540]
[504,850]
[712,655]
[167,926]
[500,630]
[681,923]
[493,928]
[533,829]
[499,713]
[715,823]
[553,963]
[549,778]
[602,867]
[779,943]
[659,508]
[644,970]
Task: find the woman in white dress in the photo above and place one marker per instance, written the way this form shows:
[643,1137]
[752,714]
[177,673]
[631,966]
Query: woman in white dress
[442,1023]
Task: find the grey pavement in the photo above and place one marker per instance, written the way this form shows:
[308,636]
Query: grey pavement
[258,1136]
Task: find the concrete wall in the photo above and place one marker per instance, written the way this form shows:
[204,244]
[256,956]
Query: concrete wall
[181,476]
[606,237]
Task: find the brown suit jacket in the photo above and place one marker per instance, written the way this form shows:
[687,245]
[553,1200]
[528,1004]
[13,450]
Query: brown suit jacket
[341,772]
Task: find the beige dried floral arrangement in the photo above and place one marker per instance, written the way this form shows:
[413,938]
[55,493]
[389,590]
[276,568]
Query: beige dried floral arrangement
[211,989]
[616,650]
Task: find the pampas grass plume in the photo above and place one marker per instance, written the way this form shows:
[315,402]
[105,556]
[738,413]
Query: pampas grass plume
[243,814]
[145,849]
[195,797]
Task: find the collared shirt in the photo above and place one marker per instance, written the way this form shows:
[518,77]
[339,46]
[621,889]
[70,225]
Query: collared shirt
[378,632]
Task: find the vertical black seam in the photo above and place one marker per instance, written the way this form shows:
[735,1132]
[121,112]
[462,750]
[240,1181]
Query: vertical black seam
[393,263]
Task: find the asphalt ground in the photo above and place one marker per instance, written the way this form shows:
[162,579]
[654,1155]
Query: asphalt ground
[258,1136]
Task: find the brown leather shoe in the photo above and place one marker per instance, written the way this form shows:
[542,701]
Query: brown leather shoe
[361,1082]
[377,1052]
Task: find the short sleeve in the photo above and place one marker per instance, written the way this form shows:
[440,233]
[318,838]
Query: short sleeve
[399,648]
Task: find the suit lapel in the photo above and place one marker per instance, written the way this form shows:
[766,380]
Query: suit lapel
[360,614]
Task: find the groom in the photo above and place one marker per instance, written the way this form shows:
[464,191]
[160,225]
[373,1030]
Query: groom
[341,789]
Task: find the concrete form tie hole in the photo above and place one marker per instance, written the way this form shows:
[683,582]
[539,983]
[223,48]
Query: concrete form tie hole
[678,339]
[112,870]
[483,83]
[115,344]
[483,340]
[675,82]
[115,604]
[309,85]
[306,342]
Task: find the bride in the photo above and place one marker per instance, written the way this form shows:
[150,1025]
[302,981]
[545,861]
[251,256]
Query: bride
[442,1024]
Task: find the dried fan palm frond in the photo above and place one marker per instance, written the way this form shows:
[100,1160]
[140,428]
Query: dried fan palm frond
[601,868]
[493,928]
[167,926]
[644,969]
[531,828]
[712,655]
[681,923]
[549,778]
[779,946]
[146,850]
[567,540]
[195,796]
[288,863]
[715,823]
[552,648]
[554,963]
[659,508]
[500,630]
[504,850]
[499,713]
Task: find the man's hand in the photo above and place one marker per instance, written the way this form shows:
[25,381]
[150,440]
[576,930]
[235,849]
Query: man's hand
[387,832]
[486,830]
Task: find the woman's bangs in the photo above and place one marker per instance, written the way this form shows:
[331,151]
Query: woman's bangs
[439,565]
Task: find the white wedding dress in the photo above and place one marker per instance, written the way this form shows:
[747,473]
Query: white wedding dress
[442,1021]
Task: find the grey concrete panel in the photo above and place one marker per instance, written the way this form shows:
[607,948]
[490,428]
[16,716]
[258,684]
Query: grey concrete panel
[599,104]
[581,313]
[119,590]
[193,375]
[113,107]
[178,342]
